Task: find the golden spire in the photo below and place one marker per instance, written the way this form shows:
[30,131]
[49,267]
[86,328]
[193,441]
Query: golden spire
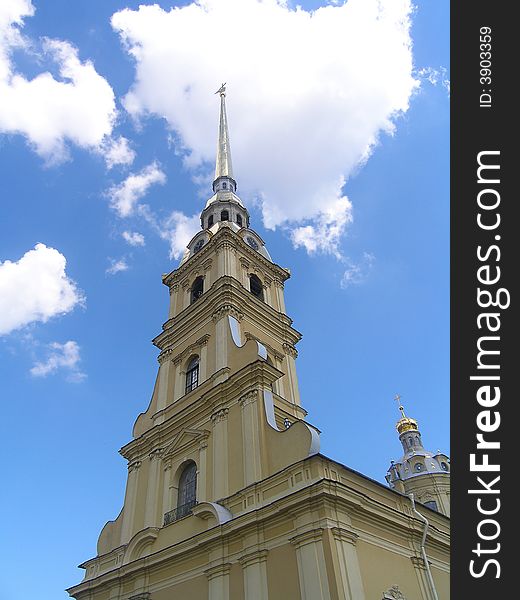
[405,423]
[223,167]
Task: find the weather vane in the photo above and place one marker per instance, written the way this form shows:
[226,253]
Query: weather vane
[221,90]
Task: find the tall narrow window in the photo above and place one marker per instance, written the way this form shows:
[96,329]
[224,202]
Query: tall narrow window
[210,221]
[224,215]
[255,285]
[192,374]
[239,220]
[187,496]
[197,289]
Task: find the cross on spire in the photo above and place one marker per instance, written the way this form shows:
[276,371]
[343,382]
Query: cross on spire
[397,398]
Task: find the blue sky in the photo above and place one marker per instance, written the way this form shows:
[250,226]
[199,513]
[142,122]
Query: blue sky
[339,128]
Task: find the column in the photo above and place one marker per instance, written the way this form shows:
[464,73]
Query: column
[218,582]
[251,438]
[220,453]
[254,569]
[130,499]
[312,570]
[350,583]
[167,496]
[152,489]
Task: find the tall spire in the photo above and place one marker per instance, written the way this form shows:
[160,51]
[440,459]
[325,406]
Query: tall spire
[224,167]
[224,205]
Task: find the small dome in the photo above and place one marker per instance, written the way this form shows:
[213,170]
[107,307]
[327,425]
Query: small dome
[406,424]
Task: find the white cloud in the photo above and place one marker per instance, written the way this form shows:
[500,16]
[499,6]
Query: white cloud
[35,288]
[116,266]
[61,356]
[134,238]
[177,229]
[78,107]
[118,152]
[357,273]
[325,233]
[435,76]
[306,108]
[125,196]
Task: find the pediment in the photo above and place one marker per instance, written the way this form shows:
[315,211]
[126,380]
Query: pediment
[185,438]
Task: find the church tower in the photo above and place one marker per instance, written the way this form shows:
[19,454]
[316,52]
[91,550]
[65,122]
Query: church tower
[423,473]
[227,496]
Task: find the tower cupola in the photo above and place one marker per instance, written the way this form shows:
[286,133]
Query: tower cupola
[420,471]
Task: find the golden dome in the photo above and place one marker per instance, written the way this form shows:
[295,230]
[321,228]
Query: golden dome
[405,423]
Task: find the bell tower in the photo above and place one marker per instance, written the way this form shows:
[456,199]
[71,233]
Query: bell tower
[225,410]
[423,473]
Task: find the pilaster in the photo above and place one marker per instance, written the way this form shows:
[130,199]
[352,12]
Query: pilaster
[220,453]
[349,580]
[254,568]
[218,582]
[312,569]
[130,500]
[152,489]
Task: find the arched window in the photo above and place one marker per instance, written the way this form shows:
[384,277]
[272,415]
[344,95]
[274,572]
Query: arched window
[239,220]
[210,221]
[256,287]
[187,496]
[224,185]
[224,215]
[197,288]
[192,374]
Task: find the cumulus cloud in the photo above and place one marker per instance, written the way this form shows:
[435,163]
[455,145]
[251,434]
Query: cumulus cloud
[325,233]
[116,266]
[125,196]
[61,356]
[117,152]
[35,288]
[76,107]
[305,110]
[357,272]
[177,229]
[134,238]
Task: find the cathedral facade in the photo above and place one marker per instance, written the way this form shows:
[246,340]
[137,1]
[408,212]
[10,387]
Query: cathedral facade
[228,496]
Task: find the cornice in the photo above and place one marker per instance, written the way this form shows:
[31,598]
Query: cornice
[227,296]
[222,236]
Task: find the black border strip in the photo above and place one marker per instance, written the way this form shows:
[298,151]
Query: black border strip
[483,124]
